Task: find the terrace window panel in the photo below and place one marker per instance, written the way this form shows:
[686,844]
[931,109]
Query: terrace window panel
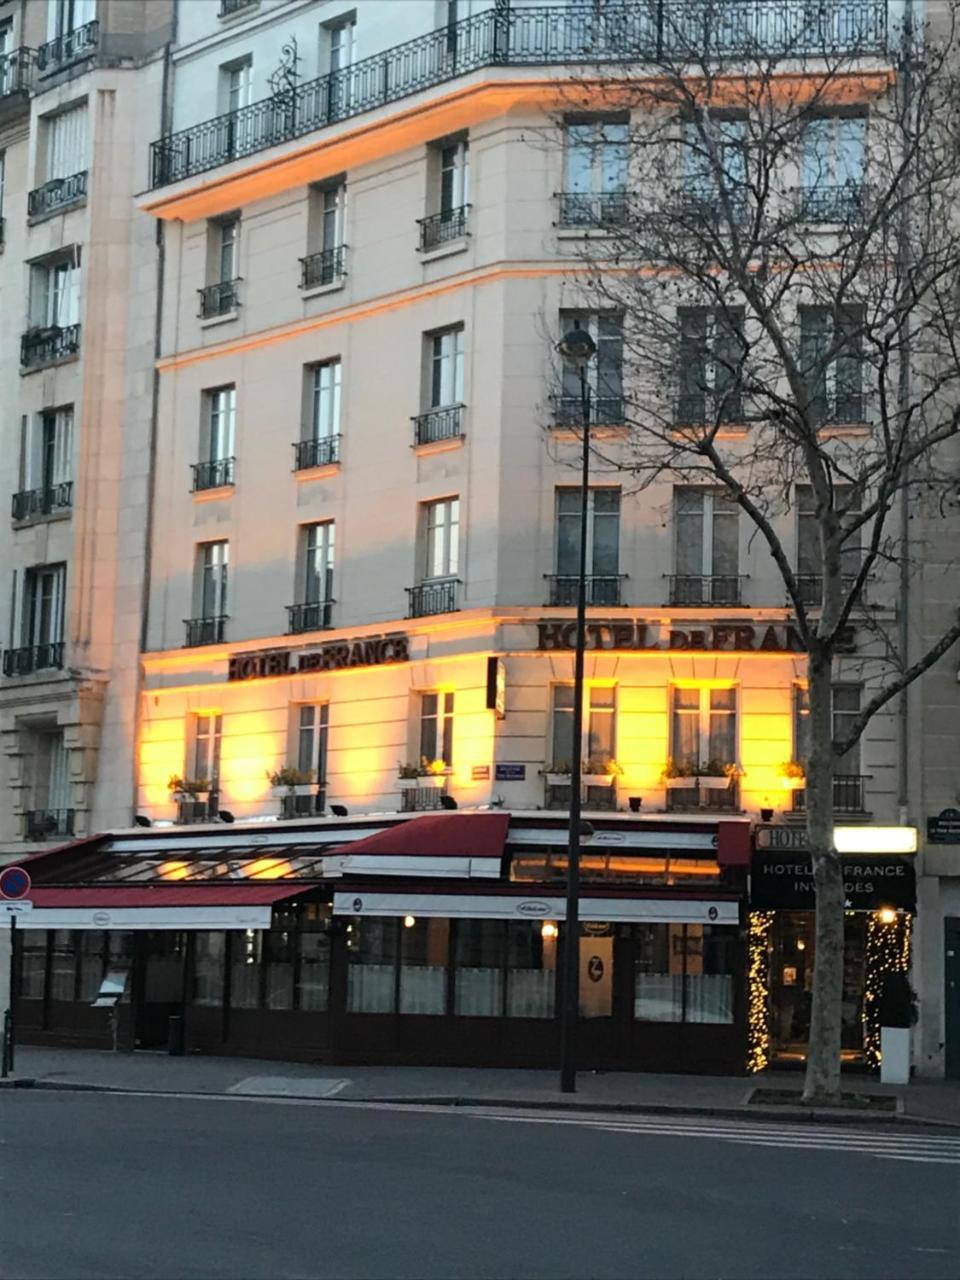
[424,946]
[479,971]
[246,955]
[209,968]
[562,725]
[531,980]
[658,973]
[372,954]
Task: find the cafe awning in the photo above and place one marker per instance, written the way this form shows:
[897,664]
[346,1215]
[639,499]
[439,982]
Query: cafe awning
[461,845]
[223,905]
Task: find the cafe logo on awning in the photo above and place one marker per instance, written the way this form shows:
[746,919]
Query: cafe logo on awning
[371,651]
[717,637]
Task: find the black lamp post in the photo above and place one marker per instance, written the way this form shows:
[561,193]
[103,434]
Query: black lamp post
[576,349]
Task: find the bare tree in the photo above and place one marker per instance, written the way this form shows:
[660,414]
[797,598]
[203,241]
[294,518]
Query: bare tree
[770,201]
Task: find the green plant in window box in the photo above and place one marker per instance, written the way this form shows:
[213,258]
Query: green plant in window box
[717,774]
[181,788]
[290,781]
[679,774]
[557,773]
[793,776]
[600,772]
[435,771]
[407,772]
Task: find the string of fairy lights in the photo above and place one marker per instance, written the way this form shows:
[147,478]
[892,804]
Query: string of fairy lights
[887,951]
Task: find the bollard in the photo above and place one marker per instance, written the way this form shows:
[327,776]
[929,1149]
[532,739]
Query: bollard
[175,1039]
[7,1054]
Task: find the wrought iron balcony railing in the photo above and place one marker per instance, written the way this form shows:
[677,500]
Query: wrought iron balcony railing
[214,474]
[605,411]
[527,35]
[440,228]
[229,7]
[439,424]
[440,596]
[220,299]
[16,72]
[711,799]
[31,504]
[695,590]
[194,809]
[595,210]
[556,795]
[70,47]
[845,203]
[602,589]
[58,194]
[315,616]
[205,630]
[33,657]
[48,824]
[306,806]
[325,267]
[810,586]
[844,409]
[705,409]
[413,799]
[849,794]
[322,452]
[39,347]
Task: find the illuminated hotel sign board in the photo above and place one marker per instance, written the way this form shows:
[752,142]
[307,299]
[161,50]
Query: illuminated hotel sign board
[371,651]
[716,637]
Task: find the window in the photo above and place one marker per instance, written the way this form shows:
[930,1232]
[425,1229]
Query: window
[704,728]
[51,777]
[479,968]
[832,168]
[714,165]
[441,524]
[454,176]
[3,157]
[220,406]
[372,951]
[599,744]
[595,172]
[831,361]
[209,968]
[603,545]
[313,730]
[326,216]
[211,582]
[341,53]
[313,947]
[531,971]
[446,368]
[436,727]
[846,709]
[809,553]
[424,944]
[55,292]
[65,16]
[203,753]
[323,401]
[246,955]
[706,547]
[685,972]
[315,589]
[63,965]
[41,616]
[237,131]
[64,138]
[604,374]
[711,354]
[228,240]
[236,81]
[45,464]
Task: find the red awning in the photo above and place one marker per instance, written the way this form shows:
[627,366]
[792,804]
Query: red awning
[224,894]
[438,835]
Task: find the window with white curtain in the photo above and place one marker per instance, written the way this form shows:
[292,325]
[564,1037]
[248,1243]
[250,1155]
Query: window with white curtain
[55,292]
[204,732]
[65,138]
[704,726]
[220,410]
[48,457]
[317,552]
[51,777]
[441,529]
[213,560]
[707,534]
[323,402]
[64,16]
[436,727]
[685,972]
[42,605]
[446,368]
[603,531]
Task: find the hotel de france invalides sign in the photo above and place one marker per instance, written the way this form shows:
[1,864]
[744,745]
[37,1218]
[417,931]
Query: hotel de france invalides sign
[552,635]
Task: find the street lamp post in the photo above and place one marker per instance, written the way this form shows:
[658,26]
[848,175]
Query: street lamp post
[576,349]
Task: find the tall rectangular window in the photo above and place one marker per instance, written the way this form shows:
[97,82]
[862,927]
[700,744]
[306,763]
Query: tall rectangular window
[603,532]
[64,138]
[714,162]
[203,757]
[706,547]
[323,403]
[711,353]
[833,167]
[595,157]
[55,292]
[599,740]
[237,132]
[316,580]
[846,707]
[831,361]
[704,728]
[441,521]
[48,457]
[220,406]
[313,729]
[228,243]
[454,176]
[436,727]
[446,368]
[64,16]
[341,53]
[43,605]
[809,555]
[211,584]
[51,775]
[604,374]
[236,80]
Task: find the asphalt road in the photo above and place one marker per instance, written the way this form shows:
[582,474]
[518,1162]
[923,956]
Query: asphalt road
[99,1185]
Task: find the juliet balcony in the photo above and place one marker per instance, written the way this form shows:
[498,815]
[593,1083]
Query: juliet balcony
[49,345]
[527,35]
[72,46]
[58,195]
[38,504]
[32,658]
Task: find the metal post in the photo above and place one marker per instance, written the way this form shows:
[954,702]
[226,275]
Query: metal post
[10,1027]
[570,1005]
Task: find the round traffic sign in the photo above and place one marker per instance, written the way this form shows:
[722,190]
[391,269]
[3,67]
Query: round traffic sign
[14,883]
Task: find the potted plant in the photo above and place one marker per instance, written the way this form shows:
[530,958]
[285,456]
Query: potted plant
[434,773]
[557,773]
[188,788]
[601,773]
[897,1014]
[288,781]
[408,775]
[792,775]
[713,775]
[679,775]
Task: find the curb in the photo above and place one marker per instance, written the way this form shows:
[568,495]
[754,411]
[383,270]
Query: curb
[454,1101]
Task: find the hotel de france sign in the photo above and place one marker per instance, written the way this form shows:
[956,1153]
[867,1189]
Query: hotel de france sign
[552,636]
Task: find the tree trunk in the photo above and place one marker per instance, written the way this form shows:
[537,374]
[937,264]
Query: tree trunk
[822,1082]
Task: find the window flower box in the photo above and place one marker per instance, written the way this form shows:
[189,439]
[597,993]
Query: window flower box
[711,782]
[297,789]
[683,782]
[599,779]
[555,779]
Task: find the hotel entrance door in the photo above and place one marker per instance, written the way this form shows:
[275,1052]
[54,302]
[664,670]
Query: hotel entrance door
[791,985]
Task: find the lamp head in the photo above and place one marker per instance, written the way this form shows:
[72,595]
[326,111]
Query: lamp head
[576,347]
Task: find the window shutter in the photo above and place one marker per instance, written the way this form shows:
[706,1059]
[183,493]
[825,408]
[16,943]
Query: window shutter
[67,143]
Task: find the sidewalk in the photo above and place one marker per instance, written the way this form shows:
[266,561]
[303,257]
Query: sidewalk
[923,1101]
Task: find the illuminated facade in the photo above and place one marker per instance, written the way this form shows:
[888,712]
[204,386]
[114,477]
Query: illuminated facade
[80,88]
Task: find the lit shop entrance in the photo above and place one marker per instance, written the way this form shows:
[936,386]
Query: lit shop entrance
[881,897]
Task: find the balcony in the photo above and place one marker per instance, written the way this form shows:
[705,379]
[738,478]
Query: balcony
[215,474]
[849,795]
[442,228]
[70,47]
[323,268]
[438,596]
[694,591]
[603,590]
[697,798]
[556,795]
[315,616]
[704,409]
[845,203]
[844,409]
[810,586]
[415,799]
[35,504]
[311,805]
[322,452]
[44,346]
[48,824]
[525,35]
[16,73]
[605,411]
[592,210]
[205,630]
[229,7]
[220,299]
[192,809]
[439,424]
[59,194]
[34,657]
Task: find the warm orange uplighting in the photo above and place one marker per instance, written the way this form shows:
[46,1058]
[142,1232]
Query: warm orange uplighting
[174,870]
[268,869]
